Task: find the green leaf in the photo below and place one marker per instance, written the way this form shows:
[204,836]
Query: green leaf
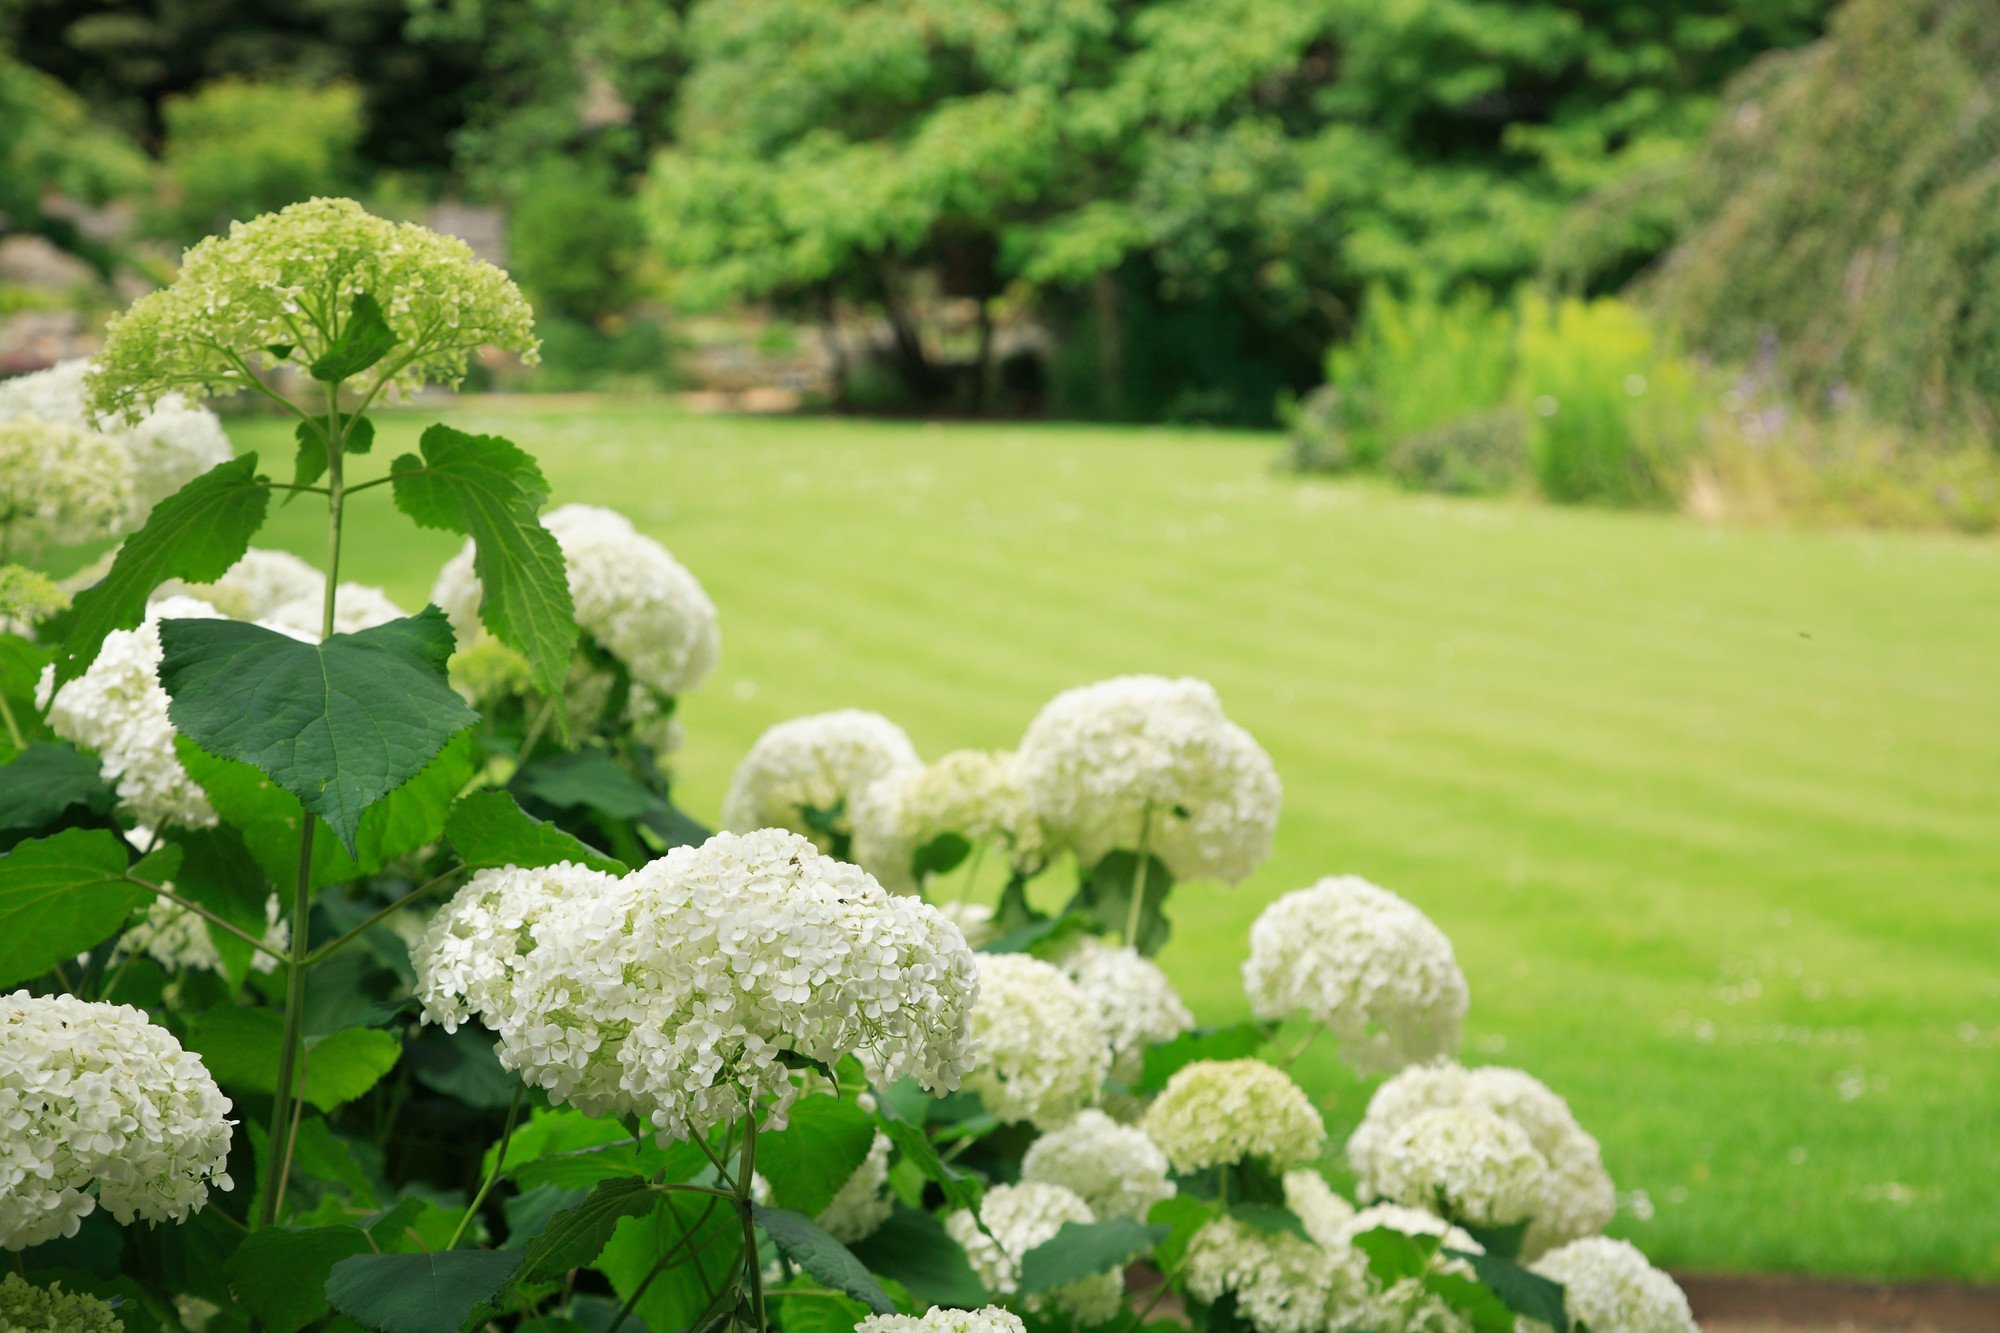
[21,664]
[46,781]
[1486,1312]
[489,828]
[1081,1249]
[808,1161]
[218,872]
[1272,1218]
[311,464]
[365,339]
[947,851]
[913,1248]
[817,1313]
[961,1188]
[491,491]
[279,1273]
[1235,1042]
[677,1297]
[1039,933]
[1503,1242]
[1105,895]
[317,1153]
[1183,1215]
[241,1047]
[418,1293]
[195,534]
[463,1066]
[409,817]
[338,724]
[1522,1291]
[60,896]
[1394,1256]
[801,1240]
[575,1236]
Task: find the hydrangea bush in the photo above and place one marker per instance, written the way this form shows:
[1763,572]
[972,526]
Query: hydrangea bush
[366,973]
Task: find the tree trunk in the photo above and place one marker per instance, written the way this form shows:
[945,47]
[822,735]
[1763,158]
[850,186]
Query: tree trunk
[836,350]
[912,366]
[1110,345]
[982,363]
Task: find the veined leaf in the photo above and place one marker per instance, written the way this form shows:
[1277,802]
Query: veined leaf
[61,895]
[365,339]
[575,1236]
[44,781]
[913,1248]
[808,1161]
[417,1293]
[801,1240]
[241,1049]
[279,1273]
[1082,1249]
[489,828]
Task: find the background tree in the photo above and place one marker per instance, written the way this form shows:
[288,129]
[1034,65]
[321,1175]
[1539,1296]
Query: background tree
[51,149]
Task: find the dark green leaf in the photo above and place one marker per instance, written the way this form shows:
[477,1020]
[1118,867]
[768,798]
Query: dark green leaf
[961,1188]
[1235,1042]
[489,828]
[418,1293]
[218,872]
[1522,1291]
[279,1273]
[195,534]
[1038,933]
[587,780]
[1273,1218]
[801,1240]
[1182,1215]
[488,489]
[59,896]
[1486,1312]
[679,1295]
[913,1248]
[311,464]
[462,1066]
[1394,1256]
[1105,895]
[1501,1242]
[576,1236]
[241,1047]
[21,664]
[338,724]
[947,851]
[808,1161]
[45,781]
[365,339]
[1081,1249]
[317,1153]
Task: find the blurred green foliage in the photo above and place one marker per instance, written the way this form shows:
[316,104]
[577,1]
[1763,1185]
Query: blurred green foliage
[235,149]
[51,147]
[573,241]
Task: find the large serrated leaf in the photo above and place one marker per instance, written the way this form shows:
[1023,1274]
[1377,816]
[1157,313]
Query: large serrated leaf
[712,1233]
[575,1236]
[489,828]
[279,1273]
[195,534]
[241,1049]
[961,1188]
[1519,1289]
[801,1240]
[1083,1249]
[490,490]
[913,1248]
[417,1293]
[40,784]
[61,895]
[338,724]
[807,1161]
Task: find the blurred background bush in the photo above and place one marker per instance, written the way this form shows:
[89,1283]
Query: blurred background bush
[1737,255]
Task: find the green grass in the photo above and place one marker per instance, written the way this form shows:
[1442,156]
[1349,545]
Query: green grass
[1712,817]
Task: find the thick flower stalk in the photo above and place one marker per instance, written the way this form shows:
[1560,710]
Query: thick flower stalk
[283,288]
[1609,1287]
[1042,1054]
[1573,1195]
[101,1108]
[1148,763]
[976,794]
[1365,965]
[677,992]
[806,774]
[1113,1168]
[1221,1112]
[1014,1219]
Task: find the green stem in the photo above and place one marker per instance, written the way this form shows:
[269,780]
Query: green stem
[673,1251]
[535,730]
[13,727]
[499,1165]
[746,1173]
[211,918]
[1139,878]
[343,940]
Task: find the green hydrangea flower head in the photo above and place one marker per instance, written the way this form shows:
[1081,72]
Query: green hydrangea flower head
[30,1309]
[282,288]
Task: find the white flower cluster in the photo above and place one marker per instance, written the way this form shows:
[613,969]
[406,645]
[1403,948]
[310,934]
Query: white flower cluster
[1018,1218]
[60,485]
[1467,1164]
[863,1203]
[178,940]
[1280,1281]
[632,598]
[1113,1168]
[30,1309]
[1136,1005]
[1220,1112]
[676,991]
[118,709]
[990,1319]
[96,1093]
[259,584]
[1364,964]
[1147,760]
[1572,1194]
[1318,1208]
[974,921]
[1042,1054]
[822,762]
[170,445]
[356,606]
[1359,1303]
[1609,1287]
[976,794]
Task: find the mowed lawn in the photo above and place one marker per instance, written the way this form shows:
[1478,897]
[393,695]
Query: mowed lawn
[1712,816]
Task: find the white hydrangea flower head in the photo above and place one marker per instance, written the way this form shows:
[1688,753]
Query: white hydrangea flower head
[1042,1053]
[976,794]
[1136,1004]
[1317,1207]
[260,583]
[863,1203]
[1574,1196]
[675,992]
[30,1309]
[1359,1303]
[1106,762]
[1220,1112]
[60,485]
[118,709]
[990,1319]
[1113,1168]
[288,280]
[178,940]
[1463,1162]
[1609,1287]
[632,597]
[821,762]
[974,921]
[1017,1219]
[1364,964]
[56,394]
[1280,1281]
[95,1093]
[356,606]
